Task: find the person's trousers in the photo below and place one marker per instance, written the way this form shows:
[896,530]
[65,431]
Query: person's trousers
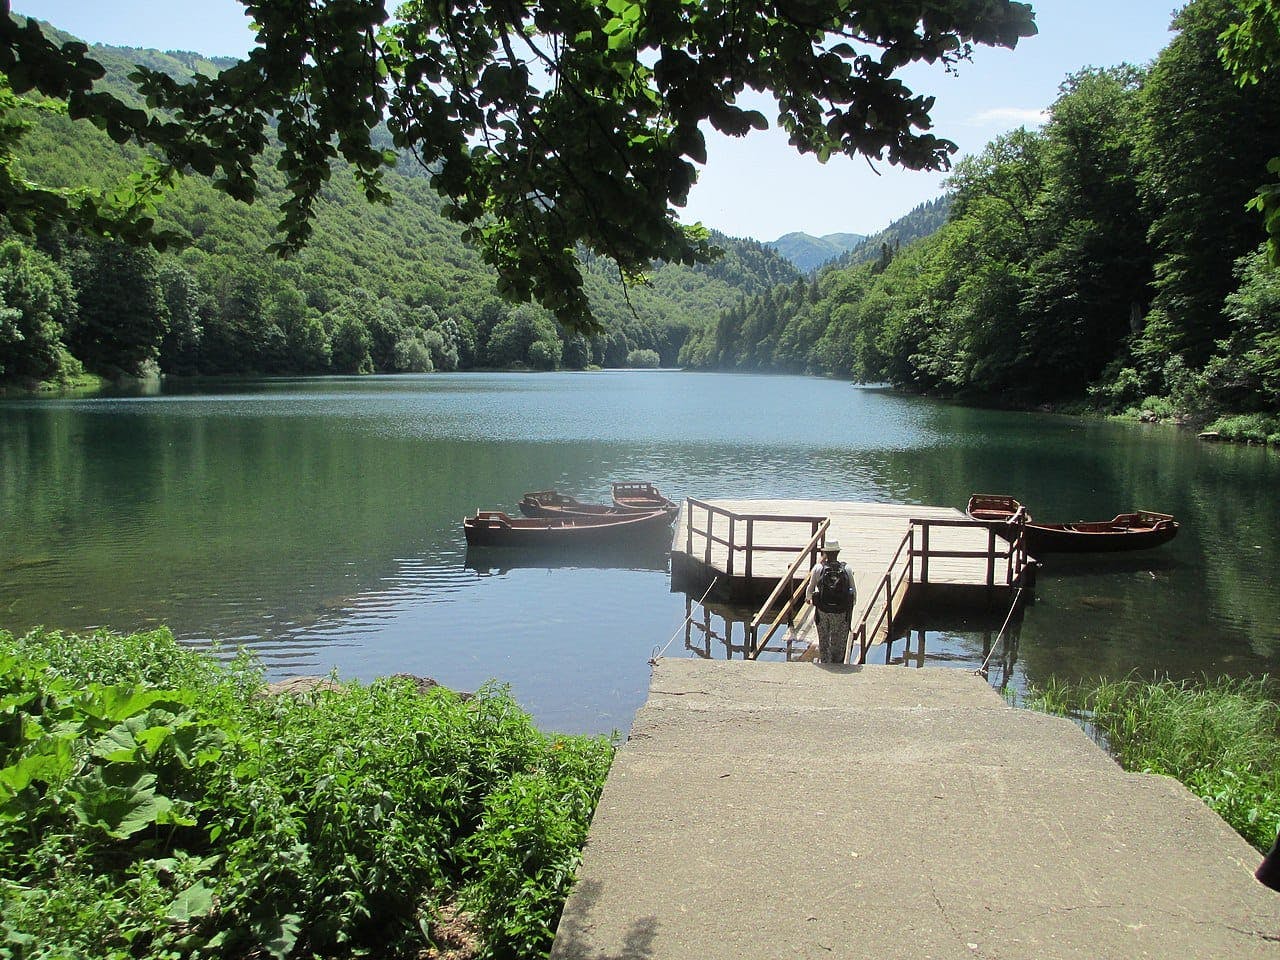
[833,635]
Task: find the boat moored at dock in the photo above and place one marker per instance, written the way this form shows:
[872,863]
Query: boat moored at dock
[1139,530]
[551,503]
[632,495]
[493,528]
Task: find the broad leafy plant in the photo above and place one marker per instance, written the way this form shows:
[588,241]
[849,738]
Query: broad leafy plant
[154,802]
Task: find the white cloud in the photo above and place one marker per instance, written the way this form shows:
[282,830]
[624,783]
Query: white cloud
[1007,116]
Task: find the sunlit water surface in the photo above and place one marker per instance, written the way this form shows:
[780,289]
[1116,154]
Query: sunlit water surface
[318,522]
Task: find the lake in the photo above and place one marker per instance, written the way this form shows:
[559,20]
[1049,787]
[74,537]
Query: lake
[318,523]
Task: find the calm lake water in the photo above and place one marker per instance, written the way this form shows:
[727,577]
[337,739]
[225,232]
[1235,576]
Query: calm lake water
[318,522]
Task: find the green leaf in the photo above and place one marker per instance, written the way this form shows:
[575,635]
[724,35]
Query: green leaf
[116,703]
[279,936]
[119,800]
[195,901]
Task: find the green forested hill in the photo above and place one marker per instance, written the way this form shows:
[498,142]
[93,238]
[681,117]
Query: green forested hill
[920,222]
[1109,257]
[808,252]
[378,287]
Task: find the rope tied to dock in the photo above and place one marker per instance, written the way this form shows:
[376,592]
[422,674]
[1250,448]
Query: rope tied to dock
[688,618]
[982,670]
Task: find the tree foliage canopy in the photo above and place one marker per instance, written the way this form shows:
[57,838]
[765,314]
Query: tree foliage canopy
[1109,254]
[1251,50]
[548,126]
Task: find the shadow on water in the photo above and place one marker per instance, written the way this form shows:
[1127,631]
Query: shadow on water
[488,561]
[1100,564]
[715,631]
[985,642]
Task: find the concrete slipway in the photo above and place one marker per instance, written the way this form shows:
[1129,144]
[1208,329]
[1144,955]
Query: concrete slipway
[792,810]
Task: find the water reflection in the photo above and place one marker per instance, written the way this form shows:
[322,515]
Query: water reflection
[989,651]
[318,522]
[714,631]
[986,644]
[497,561]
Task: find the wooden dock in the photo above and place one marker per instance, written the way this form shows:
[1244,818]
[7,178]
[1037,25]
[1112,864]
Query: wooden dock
[897,553]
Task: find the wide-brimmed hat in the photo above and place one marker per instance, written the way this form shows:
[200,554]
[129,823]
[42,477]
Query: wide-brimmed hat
[831,546]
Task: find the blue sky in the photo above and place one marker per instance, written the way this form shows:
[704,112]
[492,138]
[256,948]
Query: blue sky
[758,186]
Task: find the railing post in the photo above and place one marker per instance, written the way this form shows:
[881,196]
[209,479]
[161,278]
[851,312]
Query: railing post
[911,553]
[711,530]
[688,545]
[924,551]
[991,556]
[750,545]
[729,562]
[888,606]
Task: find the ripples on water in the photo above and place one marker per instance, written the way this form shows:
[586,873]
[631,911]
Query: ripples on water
[318,522]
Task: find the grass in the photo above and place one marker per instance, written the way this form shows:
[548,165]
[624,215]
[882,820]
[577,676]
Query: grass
[1248,428]
[155,803]
[1221,738]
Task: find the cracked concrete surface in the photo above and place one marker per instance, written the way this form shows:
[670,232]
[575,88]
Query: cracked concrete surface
[792,810]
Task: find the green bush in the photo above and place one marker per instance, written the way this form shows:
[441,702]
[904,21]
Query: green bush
[1219,737]
[1248,428]
[643,359]
[156,803]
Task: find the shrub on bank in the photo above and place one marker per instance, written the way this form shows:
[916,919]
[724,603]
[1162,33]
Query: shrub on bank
[1219,737]
[1248,428]
[154,802]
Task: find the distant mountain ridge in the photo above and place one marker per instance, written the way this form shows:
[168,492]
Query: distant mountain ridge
[808,252]
[919,222]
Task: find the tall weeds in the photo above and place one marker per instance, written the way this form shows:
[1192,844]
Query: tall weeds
[1219,737]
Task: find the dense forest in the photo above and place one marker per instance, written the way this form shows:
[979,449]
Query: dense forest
[386,288]
[1109,257]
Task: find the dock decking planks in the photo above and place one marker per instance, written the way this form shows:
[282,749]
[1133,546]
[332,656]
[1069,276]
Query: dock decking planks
[869,534]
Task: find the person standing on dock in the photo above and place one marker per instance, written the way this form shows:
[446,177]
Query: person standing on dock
[832,593]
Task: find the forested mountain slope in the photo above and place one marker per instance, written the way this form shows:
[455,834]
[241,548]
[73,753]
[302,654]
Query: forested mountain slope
[1110,256]
[920,222]
[808,252]
[377,288]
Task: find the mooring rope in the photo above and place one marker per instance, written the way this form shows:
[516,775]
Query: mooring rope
[657,654]
[982,670]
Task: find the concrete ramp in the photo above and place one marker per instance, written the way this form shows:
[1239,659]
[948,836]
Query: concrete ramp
[779,810]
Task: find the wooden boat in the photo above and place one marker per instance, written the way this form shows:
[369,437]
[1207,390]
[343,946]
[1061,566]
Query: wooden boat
[550,503]
[995,508]
[641,496]
[493,528]
[1139,530]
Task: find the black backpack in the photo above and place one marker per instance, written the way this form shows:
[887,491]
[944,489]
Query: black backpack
[834,590]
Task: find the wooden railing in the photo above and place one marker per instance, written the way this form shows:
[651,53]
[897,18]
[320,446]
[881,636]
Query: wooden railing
[784,613]
[708,537]
[863,634]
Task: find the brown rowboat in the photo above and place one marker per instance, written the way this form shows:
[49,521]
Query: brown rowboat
[1139,530]
[493,528]
[641,496]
